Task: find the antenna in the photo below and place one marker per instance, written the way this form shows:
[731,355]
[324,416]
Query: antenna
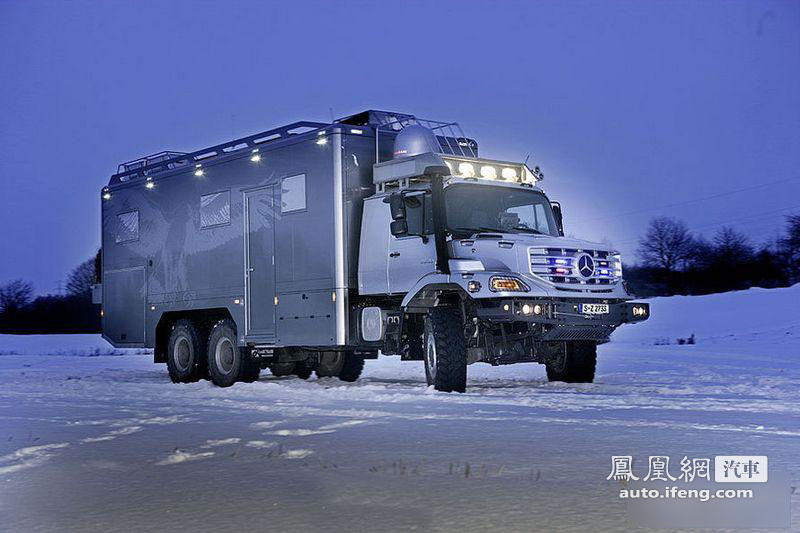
[330,110]
[526,159]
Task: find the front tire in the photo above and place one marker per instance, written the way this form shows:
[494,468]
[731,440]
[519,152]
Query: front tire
[445,350]
[185,352]
[576,364]
[227,363]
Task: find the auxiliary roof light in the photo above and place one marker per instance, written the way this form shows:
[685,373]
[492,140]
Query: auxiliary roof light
[256,157]
[489,172]
[509,173]
[467,170]
[106,195]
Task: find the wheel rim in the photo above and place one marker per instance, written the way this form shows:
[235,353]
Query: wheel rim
[224,355]
[430,356]
[183,353]
[332,364]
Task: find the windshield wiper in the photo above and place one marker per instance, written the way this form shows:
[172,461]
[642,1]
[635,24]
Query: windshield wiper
[528,230]
[483,229]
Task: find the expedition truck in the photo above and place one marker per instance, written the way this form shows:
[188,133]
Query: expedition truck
[314,246]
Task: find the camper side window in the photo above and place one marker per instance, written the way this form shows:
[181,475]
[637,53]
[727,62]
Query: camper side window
[293,193]
[215,209]
[128,227]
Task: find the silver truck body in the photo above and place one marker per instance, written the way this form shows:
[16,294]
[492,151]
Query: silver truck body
[290,237]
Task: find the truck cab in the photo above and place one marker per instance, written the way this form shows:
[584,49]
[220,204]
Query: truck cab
[470,258]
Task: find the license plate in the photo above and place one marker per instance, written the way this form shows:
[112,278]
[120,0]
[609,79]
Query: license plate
[594,309]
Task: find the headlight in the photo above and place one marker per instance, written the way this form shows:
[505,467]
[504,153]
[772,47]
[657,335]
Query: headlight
[507,284]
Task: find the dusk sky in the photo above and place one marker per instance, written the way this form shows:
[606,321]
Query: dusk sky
[632,109]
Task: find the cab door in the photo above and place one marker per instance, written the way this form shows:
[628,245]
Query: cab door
[412,256]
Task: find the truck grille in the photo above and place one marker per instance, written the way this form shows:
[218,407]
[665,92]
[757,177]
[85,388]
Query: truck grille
[573,267]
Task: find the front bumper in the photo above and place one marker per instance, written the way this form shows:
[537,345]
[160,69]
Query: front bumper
[562,312]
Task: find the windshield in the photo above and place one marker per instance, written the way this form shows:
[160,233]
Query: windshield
[475,208]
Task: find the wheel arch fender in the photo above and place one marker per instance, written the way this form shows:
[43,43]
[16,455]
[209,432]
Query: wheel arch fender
[429,287]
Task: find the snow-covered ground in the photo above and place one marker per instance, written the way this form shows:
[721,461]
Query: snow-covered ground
[92,437]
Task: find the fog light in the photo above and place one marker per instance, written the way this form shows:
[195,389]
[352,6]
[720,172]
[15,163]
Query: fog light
[537,309]
[506,307]
[474,286]
[526,309]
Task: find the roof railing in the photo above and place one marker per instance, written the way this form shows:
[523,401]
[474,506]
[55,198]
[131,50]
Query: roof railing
[450,136]
[163,161]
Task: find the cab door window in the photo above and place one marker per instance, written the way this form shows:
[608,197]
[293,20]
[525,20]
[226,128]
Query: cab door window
[419,214]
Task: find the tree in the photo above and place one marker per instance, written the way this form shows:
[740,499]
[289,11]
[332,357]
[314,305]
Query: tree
[666,244]
[15,295]
[81,279]
[732,246]
[789,246]
[700,254]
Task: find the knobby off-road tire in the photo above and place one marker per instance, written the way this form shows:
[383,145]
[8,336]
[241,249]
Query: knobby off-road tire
[346,365]
[302,371]
[576,365]
[330,364]
[445,350]
[352,367]
[280,370]
[186,351]
[228,364]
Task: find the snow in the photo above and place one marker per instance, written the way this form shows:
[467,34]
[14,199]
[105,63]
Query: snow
[95,437]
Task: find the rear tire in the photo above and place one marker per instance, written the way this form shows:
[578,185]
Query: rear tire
[280,370]
[302,371]
[227,363]
[185,352]
[352,367]
[576,365]
[330,364]
[445,350]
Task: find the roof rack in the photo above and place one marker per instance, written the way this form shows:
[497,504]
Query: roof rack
[163,161]
[451,137]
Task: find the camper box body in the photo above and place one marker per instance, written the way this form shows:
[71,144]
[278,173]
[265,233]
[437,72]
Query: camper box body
[265,232]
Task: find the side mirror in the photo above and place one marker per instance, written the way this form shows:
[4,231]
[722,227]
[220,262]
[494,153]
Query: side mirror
[399,228]
[397,207]
[559,216]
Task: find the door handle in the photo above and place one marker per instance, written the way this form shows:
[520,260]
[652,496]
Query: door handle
[251,269]
[394,254]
